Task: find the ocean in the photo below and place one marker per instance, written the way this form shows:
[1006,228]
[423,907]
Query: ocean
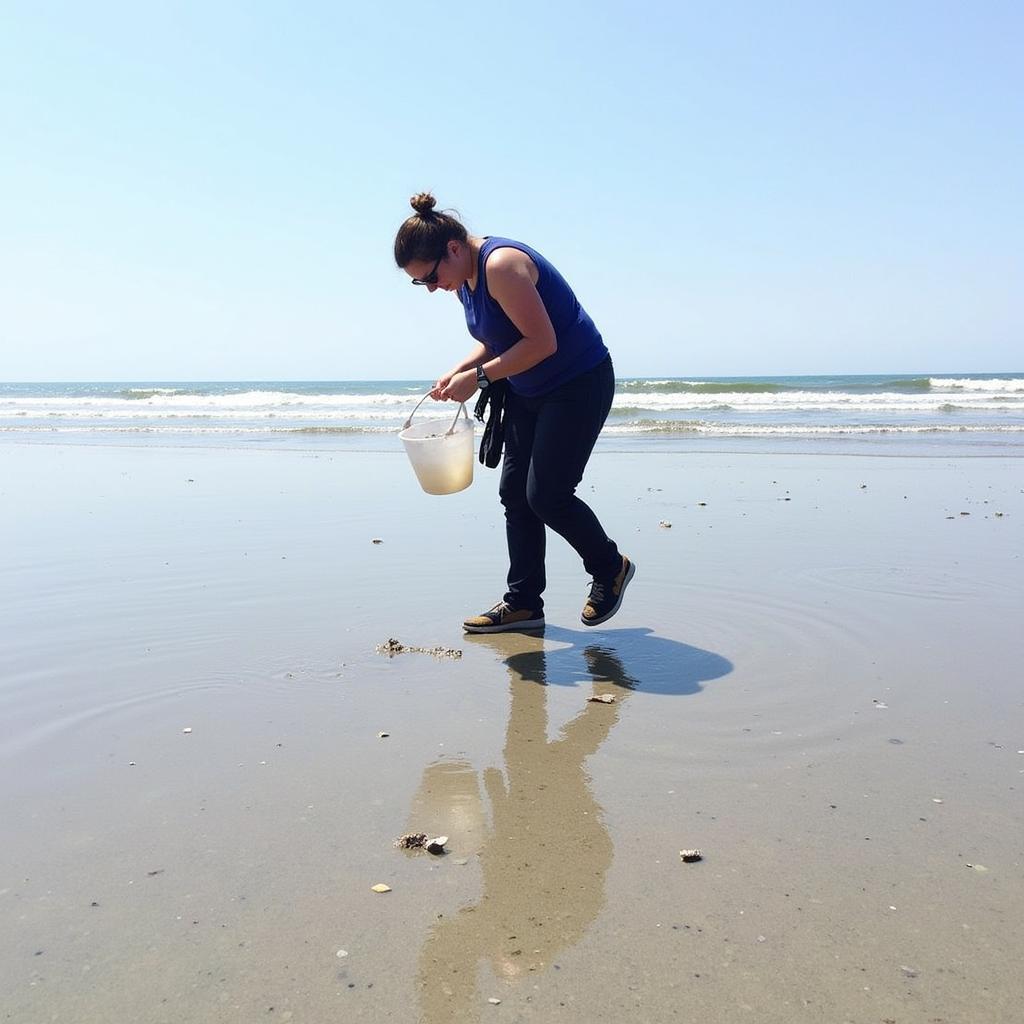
[988,409]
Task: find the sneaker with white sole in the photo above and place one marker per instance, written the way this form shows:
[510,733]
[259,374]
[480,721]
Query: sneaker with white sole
[606,595]
[502,618]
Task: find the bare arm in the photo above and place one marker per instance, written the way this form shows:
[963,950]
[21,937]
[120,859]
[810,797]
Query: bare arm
[478,356]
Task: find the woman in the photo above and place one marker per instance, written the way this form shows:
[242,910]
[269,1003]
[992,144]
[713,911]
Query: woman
[532,332]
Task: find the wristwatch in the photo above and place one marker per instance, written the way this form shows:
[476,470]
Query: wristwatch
[482,380]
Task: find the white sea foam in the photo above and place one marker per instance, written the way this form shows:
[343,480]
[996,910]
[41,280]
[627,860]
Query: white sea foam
[261,404]
[191,429]
[649,427]
[812,401]
[1007,385]
[202,413]
[801,430]
[777,407]
[152,391]
[177,400]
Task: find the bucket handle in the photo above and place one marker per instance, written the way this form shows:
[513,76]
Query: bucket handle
[451,429]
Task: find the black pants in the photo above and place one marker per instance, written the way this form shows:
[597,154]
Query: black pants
[548,440]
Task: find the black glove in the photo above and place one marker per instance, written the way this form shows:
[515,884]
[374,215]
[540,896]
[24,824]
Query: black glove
[493,440]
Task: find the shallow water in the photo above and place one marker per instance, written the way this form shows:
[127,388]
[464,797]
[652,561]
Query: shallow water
[818,692]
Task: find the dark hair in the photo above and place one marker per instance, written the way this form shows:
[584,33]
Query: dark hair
[426,234]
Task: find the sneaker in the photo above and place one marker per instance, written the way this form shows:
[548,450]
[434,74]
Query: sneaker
[502,619]
[606,596]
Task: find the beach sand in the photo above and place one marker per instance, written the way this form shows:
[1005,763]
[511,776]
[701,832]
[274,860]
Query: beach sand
[817,674]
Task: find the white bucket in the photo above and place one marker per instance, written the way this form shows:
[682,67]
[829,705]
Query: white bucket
[441,451]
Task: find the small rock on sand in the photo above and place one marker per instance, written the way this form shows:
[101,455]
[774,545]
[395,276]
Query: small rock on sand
[381,887]
[602,698]
[691,856]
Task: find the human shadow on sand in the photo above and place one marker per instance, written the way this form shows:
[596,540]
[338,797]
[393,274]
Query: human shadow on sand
[634,659]
[544,850]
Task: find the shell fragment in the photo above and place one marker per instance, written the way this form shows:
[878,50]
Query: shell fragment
[437,845]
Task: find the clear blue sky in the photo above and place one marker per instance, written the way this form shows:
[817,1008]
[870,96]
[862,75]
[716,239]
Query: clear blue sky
[210,191]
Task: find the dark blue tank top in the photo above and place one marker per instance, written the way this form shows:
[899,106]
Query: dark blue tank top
[580,346]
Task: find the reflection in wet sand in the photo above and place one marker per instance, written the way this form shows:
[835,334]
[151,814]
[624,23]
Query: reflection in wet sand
[545,855]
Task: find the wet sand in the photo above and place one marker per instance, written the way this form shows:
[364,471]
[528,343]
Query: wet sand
[817,682]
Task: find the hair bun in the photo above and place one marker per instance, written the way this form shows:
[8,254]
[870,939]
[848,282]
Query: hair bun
[423,203]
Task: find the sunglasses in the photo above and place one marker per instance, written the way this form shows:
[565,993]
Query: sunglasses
[431,278]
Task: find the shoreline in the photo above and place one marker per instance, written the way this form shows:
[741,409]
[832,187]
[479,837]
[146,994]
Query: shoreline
[705,411]
[923,445]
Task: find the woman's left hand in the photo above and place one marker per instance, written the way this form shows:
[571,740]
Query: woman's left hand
[461,386]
